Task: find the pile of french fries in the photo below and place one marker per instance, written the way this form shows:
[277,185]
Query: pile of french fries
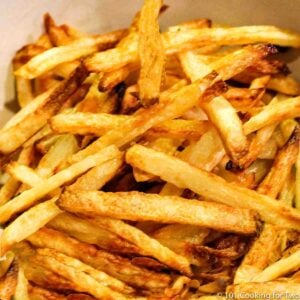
[152,165]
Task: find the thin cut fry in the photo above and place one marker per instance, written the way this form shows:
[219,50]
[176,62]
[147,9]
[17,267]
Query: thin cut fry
[29,197]
[150,246]
[151,53]
[185,176]
[28,223]
[137,206]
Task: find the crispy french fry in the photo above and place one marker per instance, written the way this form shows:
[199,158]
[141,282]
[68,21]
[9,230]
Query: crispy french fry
[6,262]
[85,231]
[273,113]
[189,39]
[9,282]
[74,50]
[266,250]
[203,183]
[149,246]
[287,192]
[82,281]
[151,53]
[29,197]
[21,292]
[226,120]
[38,293]
[28,223]
[284,84]
[282,166]
[114,265]
[24,128]
[142,207]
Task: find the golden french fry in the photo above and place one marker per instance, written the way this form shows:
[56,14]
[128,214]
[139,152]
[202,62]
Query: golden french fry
[38,293]
[28,223]
[151,53]
[266,250]
[194,24]
[137,206]
[21,292]
[9,282]
[184,175]
[81,280]
[85,231]
[23,128]
[6,262]
[148,245]
[72,51]
[116,266]
[273,113]
[287,192]
[29,197]
[226,120]
[284,84]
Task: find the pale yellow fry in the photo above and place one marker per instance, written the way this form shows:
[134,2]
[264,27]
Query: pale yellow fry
[100,276]
[273,113]
[29,197]
[28,223]
[194,38]
[83,281]
[137,206]
[184,175]
[227,122]
[86,123]
[64,146]
[51,58]
[84,231]
[266,250]
[287,192]
[24,91]
[24,174]
[279,268]
[151,52]
[21,292]
[148,245]
[98,176]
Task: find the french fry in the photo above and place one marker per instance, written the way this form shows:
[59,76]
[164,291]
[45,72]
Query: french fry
[226,120]
[284,84]
[37,118]
[82,281]
[204,183]
[116,266]
[137,206]
[99,276]
[282,166]
[6,262]
[31,196]
[151,53]
[287,192]
[21,292]
[85,232]
[72,51]
[39,293]
[9,282]
[194,24]
[28,223]
[194,38]
[273,113]
[149,246]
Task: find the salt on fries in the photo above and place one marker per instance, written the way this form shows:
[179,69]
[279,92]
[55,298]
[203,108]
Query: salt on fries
[151,165]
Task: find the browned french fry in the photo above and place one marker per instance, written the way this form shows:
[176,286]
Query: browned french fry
[151,53]
[28,223]
[29,197]
[82,281]
[273,113]
[116,266]
[39,293]
[24,128]
[185,176]
[282,166]
[84,231]
[137,206]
